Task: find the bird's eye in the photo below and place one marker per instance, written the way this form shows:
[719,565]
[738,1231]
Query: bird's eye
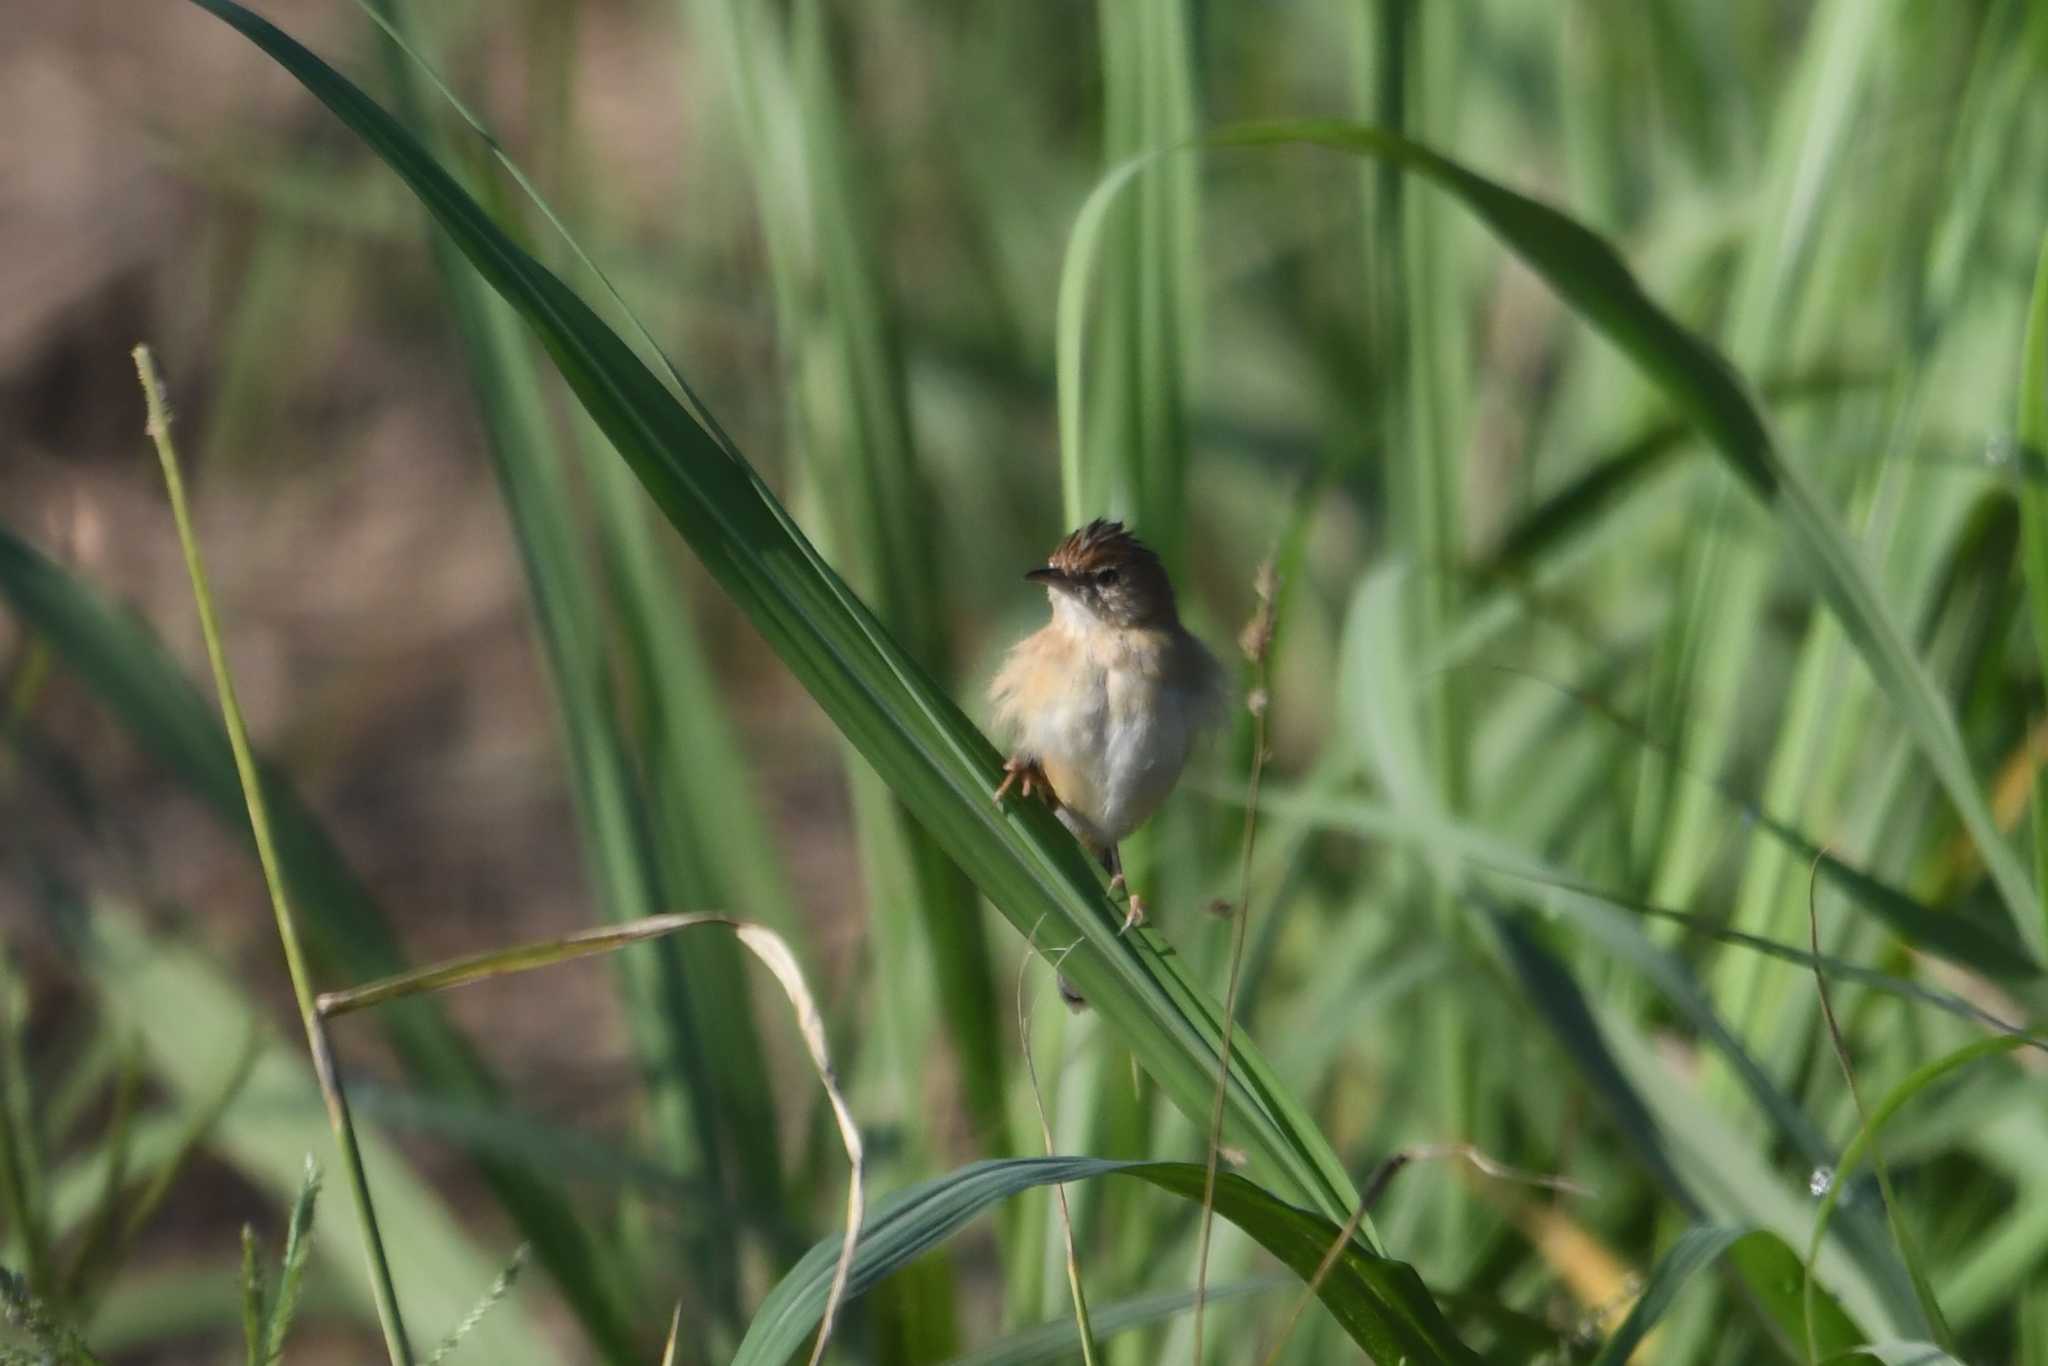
[1107,578]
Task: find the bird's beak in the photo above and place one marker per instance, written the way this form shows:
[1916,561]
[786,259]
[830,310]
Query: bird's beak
[1047,575]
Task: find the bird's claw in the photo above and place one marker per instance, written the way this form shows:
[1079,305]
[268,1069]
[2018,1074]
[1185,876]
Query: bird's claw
[1029,779]
[1134,913]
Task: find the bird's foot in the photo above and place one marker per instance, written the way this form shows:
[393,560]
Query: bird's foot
[1029,779]
[1134,913]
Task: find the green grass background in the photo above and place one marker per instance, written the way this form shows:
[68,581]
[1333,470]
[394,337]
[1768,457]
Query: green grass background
[1642,631]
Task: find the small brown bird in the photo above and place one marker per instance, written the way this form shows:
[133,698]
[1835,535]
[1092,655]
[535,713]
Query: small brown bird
[1104,703]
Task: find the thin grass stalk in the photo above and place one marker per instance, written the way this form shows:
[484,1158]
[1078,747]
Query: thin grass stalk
[1082,1323]
[381,1288]
[1256,641]
[1929,1306]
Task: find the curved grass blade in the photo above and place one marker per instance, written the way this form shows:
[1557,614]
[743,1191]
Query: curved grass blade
[915,737]
[1591,277]
[1381,1303]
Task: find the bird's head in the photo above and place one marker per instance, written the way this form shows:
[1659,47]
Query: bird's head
[1108,576]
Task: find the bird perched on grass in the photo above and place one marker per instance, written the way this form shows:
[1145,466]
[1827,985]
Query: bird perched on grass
[1103,704]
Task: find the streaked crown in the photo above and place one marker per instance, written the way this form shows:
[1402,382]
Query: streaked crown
[1102,544]
[1112,573]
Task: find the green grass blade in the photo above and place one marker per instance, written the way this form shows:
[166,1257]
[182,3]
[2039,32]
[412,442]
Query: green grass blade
[931,756]
[1382,1304]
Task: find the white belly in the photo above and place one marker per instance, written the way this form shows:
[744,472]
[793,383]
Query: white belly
[1113,746]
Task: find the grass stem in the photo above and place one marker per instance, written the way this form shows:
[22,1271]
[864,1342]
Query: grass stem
[259,825]
[1256,642]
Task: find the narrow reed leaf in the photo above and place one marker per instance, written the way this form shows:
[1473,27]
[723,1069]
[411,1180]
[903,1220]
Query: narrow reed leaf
[490,963]
[22,1195]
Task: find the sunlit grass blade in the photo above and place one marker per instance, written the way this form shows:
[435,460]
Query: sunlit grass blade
[1382,1304]
[932,757]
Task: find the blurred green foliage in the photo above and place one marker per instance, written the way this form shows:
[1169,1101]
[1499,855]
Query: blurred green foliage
[1593,649]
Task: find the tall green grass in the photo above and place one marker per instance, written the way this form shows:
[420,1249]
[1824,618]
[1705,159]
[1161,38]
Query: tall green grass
[1651,452]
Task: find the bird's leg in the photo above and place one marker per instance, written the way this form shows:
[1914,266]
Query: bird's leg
[1029,779]
[1134,910]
